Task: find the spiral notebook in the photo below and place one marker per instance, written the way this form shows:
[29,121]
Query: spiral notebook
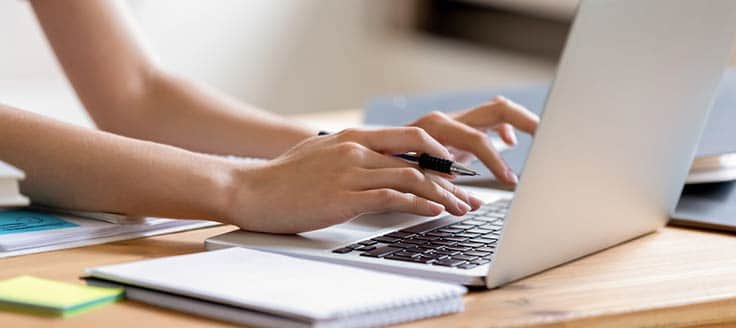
[270,290]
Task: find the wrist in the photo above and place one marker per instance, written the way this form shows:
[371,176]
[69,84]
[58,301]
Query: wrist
[235,191]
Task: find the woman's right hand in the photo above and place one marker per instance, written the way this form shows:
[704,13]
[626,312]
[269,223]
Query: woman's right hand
[326,180]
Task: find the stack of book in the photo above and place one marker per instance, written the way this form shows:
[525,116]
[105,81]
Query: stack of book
[9,186]
[713,169]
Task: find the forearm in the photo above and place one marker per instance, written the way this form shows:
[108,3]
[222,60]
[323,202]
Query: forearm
[179,112]
[125,92]
[76,168]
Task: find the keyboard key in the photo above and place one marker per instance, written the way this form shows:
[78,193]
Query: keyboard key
[368,242]
[366,248]
[461,226]
[476,253]
[416,242]
[422,260]
[467,266]
[386,240]
[467,235]
[354,246]
[427,238]
[473,222]
[443,243]
[450,230]
[381,251]
[485,249]
[343,250]
[436,256]
[403,245]
[464,257]
[481,261]
[449,262]
[405,254]
[446,252]
[479,231]
[425,250]
[458,248]
[471,245]
[439,234]
[483,240]
[456,238]
[430,246]
[431,225]
[399,234]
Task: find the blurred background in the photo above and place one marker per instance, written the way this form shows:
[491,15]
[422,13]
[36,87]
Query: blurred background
[294,56]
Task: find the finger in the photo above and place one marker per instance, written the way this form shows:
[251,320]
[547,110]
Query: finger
[501,110]
[465,137]
[410,180]
[389,200]
[507,134]
[372,160]
[396,140]
[469,199]
[461,156]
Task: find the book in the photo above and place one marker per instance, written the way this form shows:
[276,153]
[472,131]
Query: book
[252,287]
[713,169]
[33,295]
[32,231]
[10,195]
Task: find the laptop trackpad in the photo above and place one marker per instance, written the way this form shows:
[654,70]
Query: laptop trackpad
[329,238]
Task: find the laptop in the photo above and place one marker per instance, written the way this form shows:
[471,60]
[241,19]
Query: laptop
[620,128]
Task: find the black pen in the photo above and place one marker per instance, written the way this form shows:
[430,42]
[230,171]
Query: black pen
[430,162]
[433,163]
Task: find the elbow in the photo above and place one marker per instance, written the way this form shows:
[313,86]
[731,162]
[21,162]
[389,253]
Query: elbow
[127,110]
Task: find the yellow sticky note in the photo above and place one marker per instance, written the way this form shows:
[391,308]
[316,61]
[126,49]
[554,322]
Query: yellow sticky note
[47,297]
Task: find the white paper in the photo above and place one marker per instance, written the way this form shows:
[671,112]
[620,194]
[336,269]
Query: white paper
[278,284]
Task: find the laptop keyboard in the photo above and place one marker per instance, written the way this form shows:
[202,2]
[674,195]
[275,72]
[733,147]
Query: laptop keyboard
[459,242]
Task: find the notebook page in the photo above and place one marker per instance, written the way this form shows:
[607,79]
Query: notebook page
[277,284]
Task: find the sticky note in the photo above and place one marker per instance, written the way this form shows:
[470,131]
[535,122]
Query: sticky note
[52,298]
[27,221]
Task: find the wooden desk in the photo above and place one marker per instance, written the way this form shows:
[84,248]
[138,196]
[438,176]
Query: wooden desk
[674,277]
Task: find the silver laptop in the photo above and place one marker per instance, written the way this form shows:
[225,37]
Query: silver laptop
[608,163]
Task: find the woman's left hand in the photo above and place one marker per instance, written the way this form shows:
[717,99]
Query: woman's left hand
[466,131]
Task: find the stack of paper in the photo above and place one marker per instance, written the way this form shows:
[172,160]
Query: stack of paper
[25,231]
[270,290]
[713,168]
[50,298]
[9,192]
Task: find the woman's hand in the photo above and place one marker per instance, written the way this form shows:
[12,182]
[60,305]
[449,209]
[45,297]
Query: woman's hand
[327,180]
[466,131]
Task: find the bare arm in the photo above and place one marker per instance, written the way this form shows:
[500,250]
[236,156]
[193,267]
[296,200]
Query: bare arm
[319,182]
[126,93]
[72,167]
[316,183]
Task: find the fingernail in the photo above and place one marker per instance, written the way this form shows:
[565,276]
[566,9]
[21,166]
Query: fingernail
[435,208]
[463,207]
[475,201]
[513,139]
[511,176]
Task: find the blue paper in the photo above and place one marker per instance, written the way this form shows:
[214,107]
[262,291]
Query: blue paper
[28,221]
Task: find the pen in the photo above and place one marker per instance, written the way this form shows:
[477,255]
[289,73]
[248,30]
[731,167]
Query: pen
[433,163]
[430,162]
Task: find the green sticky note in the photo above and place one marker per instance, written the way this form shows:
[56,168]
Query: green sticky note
[51,298]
